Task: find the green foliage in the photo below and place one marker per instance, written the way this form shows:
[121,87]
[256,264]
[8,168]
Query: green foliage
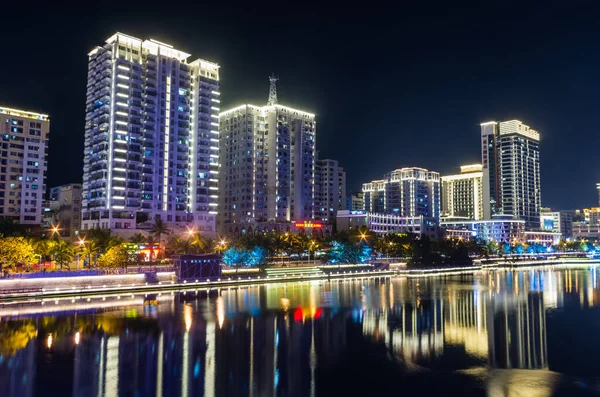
[62,252]
[16,250]
[116,256]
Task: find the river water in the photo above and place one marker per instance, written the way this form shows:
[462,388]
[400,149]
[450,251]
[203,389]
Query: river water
[529,332]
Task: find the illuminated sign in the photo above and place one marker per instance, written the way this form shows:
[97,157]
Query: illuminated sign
[309,225]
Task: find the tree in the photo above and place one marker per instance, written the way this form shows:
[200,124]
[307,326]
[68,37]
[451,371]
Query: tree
[62,252]
[104,241]
[15,250]
[137,238]
[235,257]
[256,257]
[201,244]
[116,256]
[43,248]
[9,228]
[159,229]
[90,251]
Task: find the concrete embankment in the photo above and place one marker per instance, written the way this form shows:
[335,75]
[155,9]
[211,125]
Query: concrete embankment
[14,291]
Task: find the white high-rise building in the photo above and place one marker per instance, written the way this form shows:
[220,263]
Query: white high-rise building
[462,194]
[267,163]
[151,137]
[330,190]
[24,147]
[511,171]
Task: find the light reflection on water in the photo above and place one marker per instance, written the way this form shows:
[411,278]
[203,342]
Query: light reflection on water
[500,332]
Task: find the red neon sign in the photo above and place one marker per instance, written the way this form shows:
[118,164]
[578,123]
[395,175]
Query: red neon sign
[309,225]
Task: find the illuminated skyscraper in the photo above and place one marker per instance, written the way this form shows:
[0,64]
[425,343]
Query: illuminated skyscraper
[267,163]
[510,152]
[151,136]
[462,194]
[24,142]
[410,191]
[330,190]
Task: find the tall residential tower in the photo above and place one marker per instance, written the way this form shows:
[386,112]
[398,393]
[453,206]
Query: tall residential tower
[462,194]
[267,163]
[511,171]
[151,136]
[23,165]
[330,190]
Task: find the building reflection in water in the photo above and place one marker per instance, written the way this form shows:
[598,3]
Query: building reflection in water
[271,340]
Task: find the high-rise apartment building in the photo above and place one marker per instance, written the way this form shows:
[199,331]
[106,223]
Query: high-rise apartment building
[23,164]
[330,190]
[511,171]
[151,136]
[462,194]
[267,163]
[408,191]
[68,211]
[356,201]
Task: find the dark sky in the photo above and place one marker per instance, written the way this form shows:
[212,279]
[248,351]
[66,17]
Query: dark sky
[391,88]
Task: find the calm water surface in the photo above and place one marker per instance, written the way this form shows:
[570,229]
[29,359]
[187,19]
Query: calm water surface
[533,332]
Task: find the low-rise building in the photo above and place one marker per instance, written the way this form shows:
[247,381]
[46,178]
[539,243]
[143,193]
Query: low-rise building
[585,230]
[387,223]
[501,228]
[557,221]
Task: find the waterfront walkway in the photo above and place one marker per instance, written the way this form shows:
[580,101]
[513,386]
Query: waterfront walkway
[22,290]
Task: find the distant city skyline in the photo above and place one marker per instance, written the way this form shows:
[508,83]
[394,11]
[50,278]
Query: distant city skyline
[418,100]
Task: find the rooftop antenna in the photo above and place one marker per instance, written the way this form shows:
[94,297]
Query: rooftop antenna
[272,90]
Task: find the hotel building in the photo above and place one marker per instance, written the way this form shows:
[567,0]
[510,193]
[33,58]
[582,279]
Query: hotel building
[330,190]
[462,194]
[267,162]
[511,171]
[23,164]
[407,192]
[151,137]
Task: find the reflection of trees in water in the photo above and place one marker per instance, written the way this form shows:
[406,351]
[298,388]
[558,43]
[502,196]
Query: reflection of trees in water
[15,335]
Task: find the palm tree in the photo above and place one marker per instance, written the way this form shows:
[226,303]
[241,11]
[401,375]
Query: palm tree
[138,238]
[62,252]
[43,249]
[200,244]
[159,229]
[90,251]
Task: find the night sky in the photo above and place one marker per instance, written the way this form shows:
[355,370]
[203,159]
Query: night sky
[390,88]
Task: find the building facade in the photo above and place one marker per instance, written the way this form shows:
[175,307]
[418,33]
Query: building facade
[151,136]
[68,212]
[557,221]
[407,192]
[462,194]
[387,223]
[356,202]
[23,164]
[511,171]
[330,190]
[501,229]
[267,164]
